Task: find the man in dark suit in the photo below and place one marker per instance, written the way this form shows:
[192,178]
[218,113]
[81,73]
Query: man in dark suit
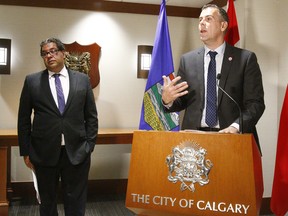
[240,77]
[58,143]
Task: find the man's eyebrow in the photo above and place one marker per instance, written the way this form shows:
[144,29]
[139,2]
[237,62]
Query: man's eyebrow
[206,16]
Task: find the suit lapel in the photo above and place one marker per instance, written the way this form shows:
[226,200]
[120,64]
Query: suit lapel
[200,73]
[46,88]
[72,87]
[226,68]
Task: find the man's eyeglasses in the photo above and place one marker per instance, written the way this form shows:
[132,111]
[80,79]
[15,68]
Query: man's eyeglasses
[51,52]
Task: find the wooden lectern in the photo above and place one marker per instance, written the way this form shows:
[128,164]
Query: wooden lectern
[194,173]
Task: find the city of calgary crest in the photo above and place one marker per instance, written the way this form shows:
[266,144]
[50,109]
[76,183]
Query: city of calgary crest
[187,164]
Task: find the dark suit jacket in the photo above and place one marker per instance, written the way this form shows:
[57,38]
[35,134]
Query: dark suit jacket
[240,77]
[41,140]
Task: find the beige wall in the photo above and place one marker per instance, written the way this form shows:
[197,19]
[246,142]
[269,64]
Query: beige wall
[119,95]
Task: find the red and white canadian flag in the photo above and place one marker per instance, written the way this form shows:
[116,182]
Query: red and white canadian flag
[232,35]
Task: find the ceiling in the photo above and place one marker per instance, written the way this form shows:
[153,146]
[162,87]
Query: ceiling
[180,3]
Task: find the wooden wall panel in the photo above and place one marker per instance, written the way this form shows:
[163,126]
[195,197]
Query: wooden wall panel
[110,6]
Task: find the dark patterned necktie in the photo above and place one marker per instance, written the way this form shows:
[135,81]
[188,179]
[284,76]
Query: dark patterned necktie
[211,98]
[60,95]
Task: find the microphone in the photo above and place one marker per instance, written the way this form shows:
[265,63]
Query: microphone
[240,111]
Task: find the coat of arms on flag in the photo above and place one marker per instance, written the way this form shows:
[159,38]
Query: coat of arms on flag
[153,116]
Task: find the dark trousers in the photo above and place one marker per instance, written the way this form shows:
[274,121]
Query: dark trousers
[74,180]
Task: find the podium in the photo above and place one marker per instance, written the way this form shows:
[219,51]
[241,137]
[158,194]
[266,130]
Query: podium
[194,173]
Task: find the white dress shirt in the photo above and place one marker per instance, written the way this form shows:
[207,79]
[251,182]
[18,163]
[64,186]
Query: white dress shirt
[219,59]
[64,78]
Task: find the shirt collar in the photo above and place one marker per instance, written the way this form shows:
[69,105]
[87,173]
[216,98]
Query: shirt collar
[63,72]
[220,50]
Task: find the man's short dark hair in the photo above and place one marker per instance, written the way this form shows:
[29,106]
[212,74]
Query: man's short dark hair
[222,12]
[59,44]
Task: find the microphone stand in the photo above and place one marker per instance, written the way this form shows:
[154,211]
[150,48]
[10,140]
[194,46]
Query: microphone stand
[240,111]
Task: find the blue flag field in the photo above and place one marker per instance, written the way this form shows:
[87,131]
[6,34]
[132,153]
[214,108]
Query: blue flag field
[153,116]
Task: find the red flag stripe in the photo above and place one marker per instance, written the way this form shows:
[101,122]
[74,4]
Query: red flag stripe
[232,35]
[279,199]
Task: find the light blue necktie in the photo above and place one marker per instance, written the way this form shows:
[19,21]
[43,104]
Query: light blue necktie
[60,95]
[211,99]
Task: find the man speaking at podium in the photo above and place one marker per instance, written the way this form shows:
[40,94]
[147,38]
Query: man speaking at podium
[219,86]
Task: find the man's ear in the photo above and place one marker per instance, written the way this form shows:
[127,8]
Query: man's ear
[224,26]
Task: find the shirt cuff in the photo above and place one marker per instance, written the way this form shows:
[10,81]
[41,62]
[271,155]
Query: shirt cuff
[167,105]
[235,125]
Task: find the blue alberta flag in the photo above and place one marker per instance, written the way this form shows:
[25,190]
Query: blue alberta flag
[153,116]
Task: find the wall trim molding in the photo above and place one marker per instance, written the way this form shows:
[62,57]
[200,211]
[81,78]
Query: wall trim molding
[111,6]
